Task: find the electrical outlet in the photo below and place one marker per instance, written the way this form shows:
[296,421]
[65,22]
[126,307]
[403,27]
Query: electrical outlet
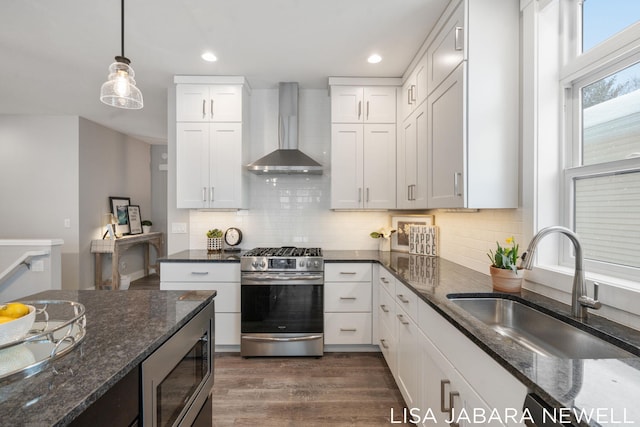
[67,223]
[179,227]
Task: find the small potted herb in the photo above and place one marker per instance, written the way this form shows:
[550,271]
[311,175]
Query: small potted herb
[214,240]
[146,226]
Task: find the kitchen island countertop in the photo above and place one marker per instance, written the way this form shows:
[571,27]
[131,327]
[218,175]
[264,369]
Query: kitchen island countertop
[122,329]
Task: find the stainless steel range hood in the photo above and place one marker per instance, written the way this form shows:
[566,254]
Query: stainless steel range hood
[287,159]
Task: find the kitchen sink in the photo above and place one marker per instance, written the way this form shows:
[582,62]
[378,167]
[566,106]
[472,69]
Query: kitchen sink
[537,331]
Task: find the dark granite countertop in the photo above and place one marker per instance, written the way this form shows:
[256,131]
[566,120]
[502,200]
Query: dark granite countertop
[122,329]
[201,255]
[611,385]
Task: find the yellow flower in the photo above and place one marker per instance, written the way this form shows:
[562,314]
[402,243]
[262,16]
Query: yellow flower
[509,240]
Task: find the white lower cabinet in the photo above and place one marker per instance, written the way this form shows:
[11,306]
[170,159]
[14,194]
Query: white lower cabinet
[221,277]
[347,303]
[443,376]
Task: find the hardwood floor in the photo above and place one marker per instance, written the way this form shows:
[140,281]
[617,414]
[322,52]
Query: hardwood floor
[338,389]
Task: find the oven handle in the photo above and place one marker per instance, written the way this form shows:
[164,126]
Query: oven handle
[267,277]
[275,339]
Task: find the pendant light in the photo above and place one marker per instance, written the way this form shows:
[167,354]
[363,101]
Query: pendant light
[120,89]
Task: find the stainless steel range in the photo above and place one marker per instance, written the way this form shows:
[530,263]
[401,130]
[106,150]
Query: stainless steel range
[282,302]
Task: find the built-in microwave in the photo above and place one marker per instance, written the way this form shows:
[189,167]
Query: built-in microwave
[178,376]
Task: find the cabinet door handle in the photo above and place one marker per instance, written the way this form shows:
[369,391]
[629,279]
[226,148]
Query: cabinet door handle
[360,195]
[402,298]
[384,343]
[212,108]
[359,109]
[452,396]
[456,184]
[367,110]
[408,192]
[443,384]
[367,194]
[413,93]
[384,308]
[409,95]
[204,194]
[348,298]
[348,329]
[211,193]
[402,320]
[459,45]
[204,113]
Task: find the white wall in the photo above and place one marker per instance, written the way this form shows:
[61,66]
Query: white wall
[39,183]
[110,164]
[59,168]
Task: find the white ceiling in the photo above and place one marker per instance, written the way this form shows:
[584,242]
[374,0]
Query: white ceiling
[55,53]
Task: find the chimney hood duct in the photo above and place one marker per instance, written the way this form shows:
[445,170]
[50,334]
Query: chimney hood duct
[287,159]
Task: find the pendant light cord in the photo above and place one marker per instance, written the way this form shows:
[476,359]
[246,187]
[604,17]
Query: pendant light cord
[122,26]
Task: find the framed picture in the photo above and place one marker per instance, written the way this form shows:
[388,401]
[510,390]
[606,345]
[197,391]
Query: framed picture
[402,224]
[135,223]
[119,210]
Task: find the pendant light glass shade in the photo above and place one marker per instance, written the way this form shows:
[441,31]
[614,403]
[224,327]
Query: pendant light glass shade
[120,89]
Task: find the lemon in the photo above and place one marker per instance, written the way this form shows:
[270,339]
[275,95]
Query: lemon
[14,310]
[5,319]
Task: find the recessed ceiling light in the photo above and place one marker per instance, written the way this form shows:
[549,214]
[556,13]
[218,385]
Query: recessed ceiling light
[209,57]
[374,59]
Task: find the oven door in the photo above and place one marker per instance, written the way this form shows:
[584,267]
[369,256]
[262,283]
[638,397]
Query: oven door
[178,376]
[282,308]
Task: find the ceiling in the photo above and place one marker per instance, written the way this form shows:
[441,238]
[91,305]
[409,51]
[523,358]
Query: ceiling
[56,53]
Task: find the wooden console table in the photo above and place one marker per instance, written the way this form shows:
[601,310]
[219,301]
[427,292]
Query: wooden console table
[116,247]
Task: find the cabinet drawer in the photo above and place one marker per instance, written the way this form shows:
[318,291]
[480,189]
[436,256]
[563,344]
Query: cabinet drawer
[347,328]
[199,272]
[386,280]
[386,309]
[347,272]
[347,297]
[227,328]
[407,300]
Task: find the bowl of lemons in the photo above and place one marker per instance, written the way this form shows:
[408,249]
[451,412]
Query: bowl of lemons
[16,319]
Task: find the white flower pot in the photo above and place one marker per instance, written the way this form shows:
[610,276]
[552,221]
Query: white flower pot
[384,244]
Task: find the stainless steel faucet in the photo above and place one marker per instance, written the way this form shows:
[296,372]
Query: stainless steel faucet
[579,299]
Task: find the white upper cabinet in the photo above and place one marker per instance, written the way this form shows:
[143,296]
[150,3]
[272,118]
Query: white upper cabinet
[363,166]
[473,107]
[415,88]
[208,103]
[412,170]
[211,142]
[447,50]
[355,104]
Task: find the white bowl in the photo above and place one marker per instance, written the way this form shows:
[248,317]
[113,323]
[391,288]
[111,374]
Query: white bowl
[17,328]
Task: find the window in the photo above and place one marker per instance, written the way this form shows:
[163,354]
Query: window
[602,166]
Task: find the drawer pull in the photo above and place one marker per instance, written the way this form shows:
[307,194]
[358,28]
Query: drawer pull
[347,272]
[401,318]
[403,299]
[384,280]
[452,395]
[383,342]
[348,329]
[384,308]
[347,298]
[200,273]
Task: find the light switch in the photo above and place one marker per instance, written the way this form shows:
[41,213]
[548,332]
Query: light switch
[67,223]
[179,227]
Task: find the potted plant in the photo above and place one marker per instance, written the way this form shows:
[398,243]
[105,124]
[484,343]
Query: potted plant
[384,234]
[504,271]
[214,240]
[146,226]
